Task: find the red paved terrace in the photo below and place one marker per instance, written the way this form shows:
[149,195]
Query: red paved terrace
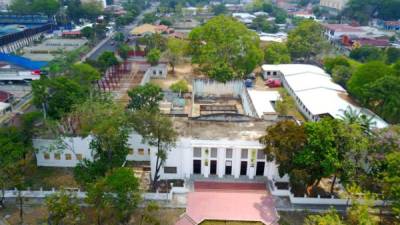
[229,202]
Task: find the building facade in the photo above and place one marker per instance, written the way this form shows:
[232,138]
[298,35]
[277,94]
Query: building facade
[338,5]
[190,158]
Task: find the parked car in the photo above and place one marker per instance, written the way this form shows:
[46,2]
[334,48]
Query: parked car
[273,83]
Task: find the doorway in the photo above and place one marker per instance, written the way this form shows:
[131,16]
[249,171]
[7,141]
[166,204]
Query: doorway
[243,168]
[213,167]
[228,167]
[197,166]
[260,168]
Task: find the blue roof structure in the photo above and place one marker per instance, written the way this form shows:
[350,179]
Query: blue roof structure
[22,61]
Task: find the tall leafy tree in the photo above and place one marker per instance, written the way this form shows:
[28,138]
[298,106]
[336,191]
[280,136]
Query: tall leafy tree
[277,53]
[147,96]
[153,57]
[158,131]
[225,44]
[175,51]
[63,208]
[366,75]
[282,142]
[306,40]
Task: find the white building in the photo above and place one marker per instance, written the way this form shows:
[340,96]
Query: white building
[334,4]
[203,149]
[314,92]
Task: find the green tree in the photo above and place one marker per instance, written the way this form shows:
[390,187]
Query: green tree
[109,142]
[331,62]
[384,97]
[175,51]
[277,53]
[63,208]
[149,18]
[123,51]
[260,23]
[367,54]
[88,33]
[180,86]
[56,96]
[319,157]
[341,74]
[329,218]
[219,9]
[366,75]
[306,40]
[119,37]
[20,6]
[85,75]
[282,142]
[106,60]
[158,131]
[224,44]
[122,192]
[166,22]
[391,178]
[145,97]
[392,55]
[48,7]
[149,215]
[153,57]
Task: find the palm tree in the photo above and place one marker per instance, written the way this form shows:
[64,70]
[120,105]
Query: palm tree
[354,116]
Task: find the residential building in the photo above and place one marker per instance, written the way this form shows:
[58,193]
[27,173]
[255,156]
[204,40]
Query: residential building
[391,25]
[4,4]
[338,5]
[315,94]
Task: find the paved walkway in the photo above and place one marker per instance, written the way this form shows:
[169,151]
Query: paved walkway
[229,201]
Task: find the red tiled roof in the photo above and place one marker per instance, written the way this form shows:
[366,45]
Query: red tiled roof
[342,28]
[71,32]
[379,42]
[392,23]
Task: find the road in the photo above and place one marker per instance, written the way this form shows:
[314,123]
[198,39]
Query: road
[108,46]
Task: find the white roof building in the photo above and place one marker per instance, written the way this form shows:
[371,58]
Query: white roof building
[315,93]
[263,101]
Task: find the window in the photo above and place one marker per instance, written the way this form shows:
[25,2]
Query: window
[229,153]
[214,152]
[68,156]
[244,153]
[79,156]
[141,151]
[260,154]
[130,151]
[46,156]
[170,169]
[148,151]
[197,152]
[154,72]
[57,156]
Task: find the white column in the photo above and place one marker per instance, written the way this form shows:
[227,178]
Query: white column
[187,162]
[206,161]
[236,162]
[221,162]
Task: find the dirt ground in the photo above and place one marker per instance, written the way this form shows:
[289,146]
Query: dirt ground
[185,71]
[49,177]
[37,215]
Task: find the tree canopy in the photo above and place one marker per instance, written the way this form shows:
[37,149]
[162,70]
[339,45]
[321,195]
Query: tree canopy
[225,49]
[306,40]
[277,53]
[145,97]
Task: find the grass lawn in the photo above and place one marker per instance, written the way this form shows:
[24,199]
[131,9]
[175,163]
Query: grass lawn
[215,222]
[293,218]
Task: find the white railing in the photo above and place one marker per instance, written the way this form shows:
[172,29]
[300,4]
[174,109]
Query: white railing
[81,194]
[313,200]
